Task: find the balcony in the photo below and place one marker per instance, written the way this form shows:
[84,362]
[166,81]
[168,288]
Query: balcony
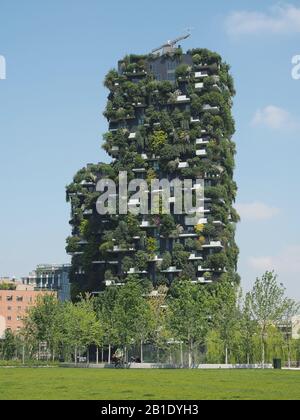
[188,234]
[199,85]
[133,271]
[83,242]
[117,249]
[212,244]
[172,270]
[213,109]
[155,259]
[88,184]
[202,153]
[183,165]
[139,170]
[88,212]
[219,223]
[217,87]
[146,224]
[183,99]
[194,257]
[205,270]
[110,283]
[203,280]
[201,74]
[202,141]
[115,150]
[132,136]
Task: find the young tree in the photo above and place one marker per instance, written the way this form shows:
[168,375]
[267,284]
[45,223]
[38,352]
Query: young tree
[291,310]
[267,303]
[82,328]
[159,309]
[132,314]
[41,322]
[106,312]
[249,328]
[189,314]
[225,312]
[8,346]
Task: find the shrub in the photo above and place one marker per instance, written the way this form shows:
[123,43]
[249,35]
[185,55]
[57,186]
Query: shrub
[157,140]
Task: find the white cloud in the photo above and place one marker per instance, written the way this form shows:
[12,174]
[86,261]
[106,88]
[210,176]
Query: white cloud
[275,118]
[286,263]
[256,211]
[280,19]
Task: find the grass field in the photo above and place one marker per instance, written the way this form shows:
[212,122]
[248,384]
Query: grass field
[77,384]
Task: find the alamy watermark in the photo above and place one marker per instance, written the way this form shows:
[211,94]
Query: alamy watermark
[158,196]
[2,68]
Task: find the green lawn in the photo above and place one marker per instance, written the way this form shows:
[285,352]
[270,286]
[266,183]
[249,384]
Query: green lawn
[102,384]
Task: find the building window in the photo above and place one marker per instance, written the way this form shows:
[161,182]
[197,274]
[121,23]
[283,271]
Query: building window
[19,299]
[19,318]
[9,308]
[9,298]
[9,318]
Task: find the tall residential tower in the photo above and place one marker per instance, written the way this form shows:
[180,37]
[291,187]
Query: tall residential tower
[169,116]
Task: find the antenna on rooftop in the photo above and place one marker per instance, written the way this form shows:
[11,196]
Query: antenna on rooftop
[170,45]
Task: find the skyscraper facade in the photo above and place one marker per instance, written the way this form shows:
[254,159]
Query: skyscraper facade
[169,116]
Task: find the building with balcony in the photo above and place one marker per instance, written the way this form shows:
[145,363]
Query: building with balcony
[169,116]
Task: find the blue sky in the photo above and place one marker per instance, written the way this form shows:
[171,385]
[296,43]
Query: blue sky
[51,122]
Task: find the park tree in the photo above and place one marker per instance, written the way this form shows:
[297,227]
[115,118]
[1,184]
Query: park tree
[267,306]
[41,322]
[189,314]
[105,307]
[249,329]
[159,310]
[8,346]
[81,326]
[225,312]
[132,314]
[291,310]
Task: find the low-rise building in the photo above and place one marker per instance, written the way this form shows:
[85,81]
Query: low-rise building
[52,277]
[14,304]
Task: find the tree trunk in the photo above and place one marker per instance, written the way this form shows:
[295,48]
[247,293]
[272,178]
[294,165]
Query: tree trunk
[88,356]
[289,355]
[142,352]
[190,354]
[181,355]
[226,355]
[102,355]
[109,354]
[263,351]
[97,355]
[75,356]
